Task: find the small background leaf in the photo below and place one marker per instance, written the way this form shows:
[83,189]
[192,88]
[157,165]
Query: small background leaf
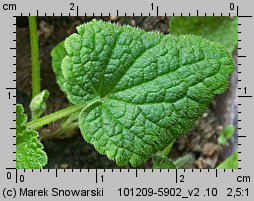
[162,162]
[226,134]
[38,104]
[230,163]
[218,29]
[29,151]
[184,161]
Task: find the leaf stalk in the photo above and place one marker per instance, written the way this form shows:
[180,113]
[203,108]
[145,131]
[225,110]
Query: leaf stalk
[38,123]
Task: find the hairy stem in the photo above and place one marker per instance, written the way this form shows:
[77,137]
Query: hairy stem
[38,123]
[36,80]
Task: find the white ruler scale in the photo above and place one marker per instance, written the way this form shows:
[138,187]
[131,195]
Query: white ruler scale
[127,184]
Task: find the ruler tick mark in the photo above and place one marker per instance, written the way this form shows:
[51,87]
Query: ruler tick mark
[245,96]
[176,176]
[245,16]
[96,176]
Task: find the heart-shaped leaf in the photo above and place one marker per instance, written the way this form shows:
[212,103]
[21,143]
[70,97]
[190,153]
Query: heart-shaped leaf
[143,89]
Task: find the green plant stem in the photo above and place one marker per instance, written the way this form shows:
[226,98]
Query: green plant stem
[38,123]
[60,132]
[66,127]
[36,82]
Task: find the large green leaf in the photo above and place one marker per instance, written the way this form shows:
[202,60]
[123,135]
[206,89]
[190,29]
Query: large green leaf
[223,30]
[29,151]
[140,90]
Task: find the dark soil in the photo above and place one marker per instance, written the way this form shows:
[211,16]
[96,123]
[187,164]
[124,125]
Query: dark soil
[71,151]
